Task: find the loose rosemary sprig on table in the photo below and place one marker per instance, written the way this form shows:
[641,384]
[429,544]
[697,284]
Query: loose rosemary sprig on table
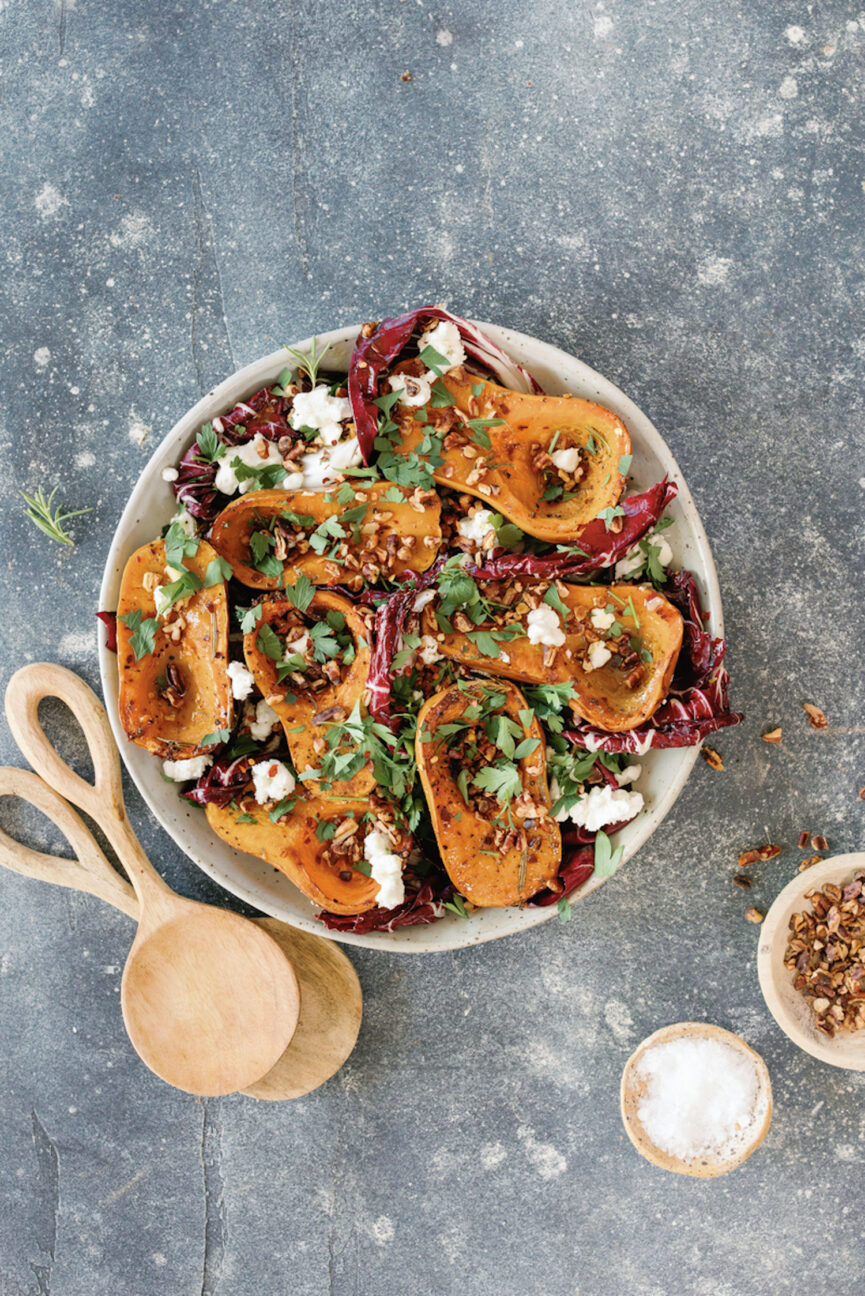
[52,524]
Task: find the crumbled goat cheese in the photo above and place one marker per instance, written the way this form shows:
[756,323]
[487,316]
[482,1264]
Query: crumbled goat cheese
[445,338]
[629,774]
[414,391]
[385,869]
[183,518]
[544,626]
[181,770]
[272,781]
[601,806]
[421,600]
[635,559]
[567,460]
[242,681]
[299,645]
[477,526]
[257,453]
[321,468]
[318,409]
[264,723]
[428,650]
[600,619]
[169,474]
[599,655]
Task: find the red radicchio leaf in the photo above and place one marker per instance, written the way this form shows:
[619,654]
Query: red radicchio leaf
[219,785]
[425,906]
[390,618]
[109,620]
[577,867]
[374,354]
[599,547]
[701,653]
[194,486]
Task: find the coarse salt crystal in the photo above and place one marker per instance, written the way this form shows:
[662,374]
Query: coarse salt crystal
[701,1097]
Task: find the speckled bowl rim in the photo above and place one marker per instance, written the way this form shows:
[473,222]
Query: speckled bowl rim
[791,1012]
[150,506]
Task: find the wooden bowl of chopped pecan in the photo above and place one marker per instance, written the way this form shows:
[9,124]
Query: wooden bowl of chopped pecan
[811,961]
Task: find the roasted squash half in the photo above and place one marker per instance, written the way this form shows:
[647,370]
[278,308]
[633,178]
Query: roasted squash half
[513,432]
[493,857]
[269,536]
[297,706]
[175,695]
[304,855]
[621,694]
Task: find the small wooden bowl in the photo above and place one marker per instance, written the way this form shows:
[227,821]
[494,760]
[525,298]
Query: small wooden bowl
[787,1006]
[633,1088]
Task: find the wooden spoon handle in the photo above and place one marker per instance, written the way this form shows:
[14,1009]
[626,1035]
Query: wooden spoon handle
[90,871]
[102,799]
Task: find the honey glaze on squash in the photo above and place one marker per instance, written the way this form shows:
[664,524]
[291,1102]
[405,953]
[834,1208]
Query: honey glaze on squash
[307,857]
[179,693]
[307,716]
[386,538]
[504,458]
[495,855]
[620,694]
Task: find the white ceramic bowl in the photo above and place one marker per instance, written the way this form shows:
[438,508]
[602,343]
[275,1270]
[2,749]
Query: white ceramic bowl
[151,506]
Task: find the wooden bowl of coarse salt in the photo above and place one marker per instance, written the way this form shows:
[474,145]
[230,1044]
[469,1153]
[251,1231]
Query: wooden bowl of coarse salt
[696,1099]
[796,1015]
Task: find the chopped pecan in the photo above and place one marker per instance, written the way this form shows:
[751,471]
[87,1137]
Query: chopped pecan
[816,718]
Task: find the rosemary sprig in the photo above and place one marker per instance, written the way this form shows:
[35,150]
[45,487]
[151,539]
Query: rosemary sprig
[39,511]
[309,364]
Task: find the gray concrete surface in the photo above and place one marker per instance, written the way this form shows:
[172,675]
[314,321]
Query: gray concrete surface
[672,191]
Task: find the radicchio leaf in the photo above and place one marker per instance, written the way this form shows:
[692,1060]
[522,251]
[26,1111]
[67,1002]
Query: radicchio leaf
[379,345]
[578,865]
[594,546]
[219,785]
[109,620]
[194,486]
[701,654]
[390,617]
[423,907]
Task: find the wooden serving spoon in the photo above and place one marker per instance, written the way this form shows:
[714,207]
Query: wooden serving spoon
[209,998]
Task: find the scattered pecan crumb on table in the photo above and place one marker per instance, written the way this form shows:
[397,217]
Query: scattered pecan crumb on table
[816,718]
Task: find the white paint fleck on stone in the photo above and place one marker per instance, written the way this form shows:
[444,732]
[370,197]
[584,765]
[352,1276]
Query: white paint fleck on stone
[86,459]
[619,1020]
[136,228]
[382,1231]
[48,201]
[714,270]
[491,1155]
[444,37]
[138,429]
[795,35]
[603,25]
[78,644]
[41,357]
[789,88]
[546,1159]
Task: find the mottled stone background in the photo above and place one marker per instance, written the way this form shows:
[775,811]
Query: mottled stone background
[671,190]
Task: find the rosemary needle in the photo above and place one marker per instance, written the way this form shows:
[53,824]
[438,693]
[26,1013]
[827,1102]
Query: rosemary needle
[40,513]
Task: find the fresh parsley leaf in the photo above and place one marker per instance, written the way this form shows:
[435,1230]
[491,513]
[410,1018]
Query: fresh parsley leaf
[179,544]
[263,478]
[187,583]
[301,593]
[248,617]
[434,360]
[218,570]
[607,860]
[554,599]
[441,397]
[526,747]
[210,448]
[502,780]
[610,512]
[283,807]
[393,495]
[328,530]
[220,736]
[457,906]
[325,829]
[268,642]
[564,910]
[463,784]
[143,635]
[625,463]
